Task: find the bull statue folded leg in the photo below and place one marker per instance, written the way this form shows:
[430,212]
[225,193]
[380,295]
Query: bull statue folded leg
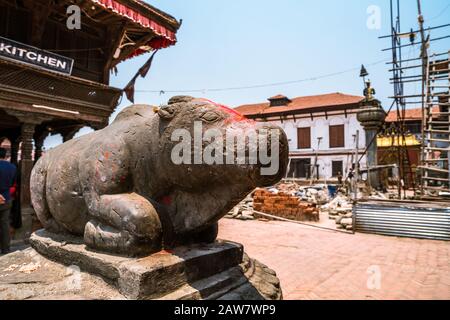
[120,189]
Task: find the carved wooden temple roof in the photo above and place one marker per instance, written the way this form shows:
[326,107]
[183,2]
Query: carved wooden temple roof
[111,31]
[143,17]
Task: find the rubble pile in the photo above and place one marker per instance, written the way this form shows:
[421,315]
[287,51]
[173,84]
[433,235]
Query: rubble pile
[317,194]
[284,205]
[287,199]
[243,211]
[340,210]
[290,188]
[293,201]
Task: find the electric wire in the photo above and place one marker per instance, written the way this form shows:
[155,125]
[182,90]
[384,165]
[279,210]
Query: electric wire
[257,86]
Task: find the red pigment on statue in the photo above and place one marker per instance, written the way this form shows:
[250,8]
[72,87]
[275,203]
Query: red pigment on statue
[166,200]
[165,251]
[236,115]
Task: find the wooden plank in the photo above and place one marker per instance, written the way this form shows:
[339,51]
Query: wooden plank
[436,188]
[436,149]
[433,169]
[437,179]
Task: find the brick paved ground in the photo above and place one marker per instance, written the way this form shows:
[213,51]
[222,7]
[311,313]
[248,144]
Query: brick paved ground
[317,264]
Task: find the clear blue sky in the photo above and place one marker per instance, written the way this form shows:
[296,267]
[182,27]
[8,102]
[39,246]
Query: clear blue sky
[225,44]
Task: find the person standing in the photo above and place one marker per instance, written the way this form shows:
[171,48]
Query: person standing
[7,178]
[339,177]
[349,180]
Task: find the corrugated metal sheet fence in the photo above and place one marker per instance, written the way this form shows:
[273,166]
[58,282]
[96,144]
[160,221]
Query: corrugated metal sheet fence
[403,219]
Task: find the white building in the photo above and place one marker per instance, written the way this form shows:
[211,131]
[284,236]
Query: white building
[321,131]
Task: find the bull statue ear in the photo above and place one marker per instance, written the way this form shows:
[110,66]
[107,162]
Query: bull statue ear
[180,99]
[167,112]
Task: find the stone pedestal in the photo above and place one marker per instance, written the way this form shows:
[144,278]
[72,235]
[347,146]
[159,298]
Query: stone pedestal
[219,270]
[371,117]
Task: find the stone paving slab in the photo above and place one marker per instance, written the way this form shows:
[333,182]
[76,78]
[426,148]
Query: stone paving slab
[320,264]
[27,275]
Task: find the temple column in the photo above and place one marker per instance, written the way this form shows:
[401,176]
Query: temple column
[25,166]
[27,133]
[26,163]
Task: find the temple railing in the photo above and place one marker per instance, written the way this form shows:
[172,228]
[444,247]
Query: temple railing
[20,83]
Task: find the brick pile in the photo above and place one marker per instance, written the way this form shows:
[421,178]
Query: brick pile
[285,206]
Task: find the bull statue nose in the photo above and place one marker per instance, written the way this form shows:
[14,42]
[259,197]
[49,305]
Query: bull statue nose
[282,157]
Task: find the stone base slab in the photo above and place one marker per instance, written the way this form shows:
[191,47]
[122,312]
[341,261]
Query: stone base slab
[158,275]
[28,275]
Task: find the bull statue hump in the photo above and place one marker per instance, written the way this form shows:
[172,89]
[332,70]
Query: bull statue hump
[119,188]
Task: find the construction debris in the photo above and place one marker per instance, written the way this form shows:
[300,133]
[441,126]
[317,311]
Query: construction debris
[293,201]
[317,194]
[285,206]
[340,210]
[243,211]
[285,200]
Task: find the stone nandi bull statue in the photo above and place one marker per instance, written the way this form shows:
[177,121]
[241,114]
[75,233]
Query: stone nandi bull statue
[120,189]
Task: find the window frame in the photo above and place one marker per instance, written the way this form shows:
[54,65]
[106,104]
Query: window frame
[334,137]
[299,147]
[341,168]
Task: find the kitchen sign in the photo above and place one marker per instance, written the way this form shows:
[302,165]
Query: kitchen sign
[22,53]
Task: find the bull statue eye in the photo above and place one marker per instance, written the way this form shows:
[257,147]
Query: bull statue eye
[210,116]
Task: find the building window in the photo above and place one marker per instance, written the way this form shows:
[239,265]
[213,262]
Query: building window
[337,136]
[304,138]
[336,168]
[299,168]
